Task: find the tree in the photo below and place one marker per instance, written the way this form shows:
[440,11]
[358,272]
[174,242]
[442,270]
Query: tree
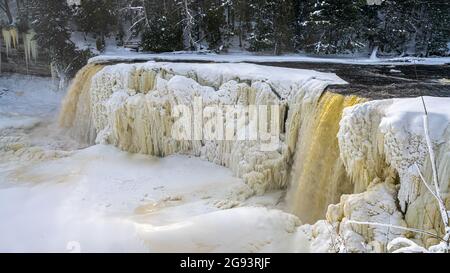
[97,16]
[439,32]
[50,20]
[214,23]
[161,27]
[337,26]
[273,26]
[162,35]
[190,16]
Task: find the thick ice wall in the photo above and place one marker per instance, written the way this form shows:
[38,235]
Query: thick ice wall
[385,139]
[131,106]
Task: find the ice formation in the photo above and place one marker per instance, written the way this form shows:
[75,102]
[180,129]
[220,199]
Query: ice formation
[11,38]
[385,139]
[129,106]
[330,148]
[30,47]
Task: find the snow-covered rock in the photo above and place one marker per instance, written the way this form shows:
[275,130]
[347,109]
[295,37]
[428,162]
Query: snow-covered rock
[383,139]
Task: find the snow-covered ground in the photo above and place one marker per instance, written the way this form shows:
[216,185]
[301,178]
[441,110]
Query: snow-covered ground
[117,55]
[57,197]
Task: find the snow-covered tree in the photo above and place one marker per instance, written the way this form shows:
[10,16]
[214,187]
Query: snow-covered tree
[162,35]
[50,20]
[413,27]
[98,17]
[273,25]
[337,26]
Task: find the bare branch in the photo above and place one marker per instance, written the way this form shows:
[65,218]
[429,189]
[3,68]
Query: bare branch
[425,182]
[397,227]
[442,209]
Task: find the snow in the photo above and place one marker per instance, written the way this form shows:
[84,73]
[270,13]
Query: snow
[385,138]
[28,95]
[26,100]
[96,196]
[246,57]
[216,74]
[55,197]
[406,115]
[83,42]
[275,231]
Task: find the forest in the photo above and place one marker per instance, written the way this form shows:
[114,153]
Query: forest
[271,27]
[407,27]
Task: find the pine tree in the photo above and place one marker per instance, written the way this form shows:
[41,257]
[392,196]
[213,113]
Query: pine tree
[273,25]
[163,32]
[97,16]
[50,20]
[214,23]
[337,26]
[163,35]
[438,33]
[413,27]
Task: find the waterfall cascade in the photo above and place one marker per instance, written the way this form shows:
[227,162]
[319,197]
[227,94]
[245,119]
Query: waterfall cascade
[319,177]
[77,107]
[328,145]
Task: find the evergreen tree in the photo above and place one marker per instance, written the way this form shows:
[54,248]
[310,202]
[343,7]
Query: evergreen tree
[98,17]
[241,19]
[214,22]
[163,32]
[273,25]
[50,20]
[162,35]
[337,26]
[439,33]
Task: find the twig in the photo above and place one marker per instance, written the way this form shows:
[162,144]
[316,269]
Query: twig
[442,209]
[397,227]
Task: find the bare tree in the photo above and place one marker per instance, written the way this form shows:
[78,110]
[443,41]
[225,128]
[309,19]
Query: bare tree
[189,23]
[139,15]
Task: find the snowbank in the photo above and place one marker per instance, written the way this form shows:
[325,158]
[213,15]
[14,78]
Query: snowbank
[28,95]
[101,199]
[236,58]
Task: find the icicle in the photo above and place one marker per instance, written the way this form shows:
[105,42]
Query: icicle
[11,38]
[33,45]
[26,50]
[7,39]
[30,47]
[14,37]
